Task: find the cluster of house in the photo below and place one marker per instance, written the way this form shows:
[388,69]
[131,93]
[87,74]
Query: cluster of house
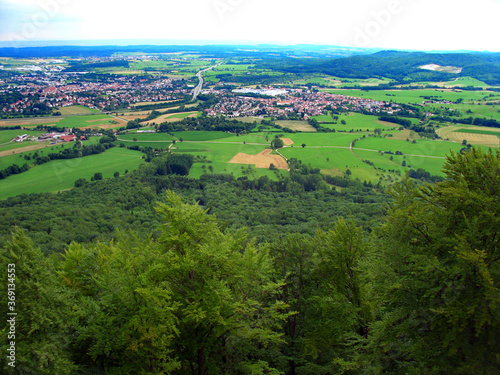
[305,103]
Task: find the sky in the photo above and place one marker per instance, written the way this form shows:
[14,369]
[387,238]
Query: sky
[388,24]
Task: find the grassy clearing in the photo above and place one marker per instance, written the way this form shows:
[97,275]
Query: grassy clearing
[201,135]
[61,174]
[355,122]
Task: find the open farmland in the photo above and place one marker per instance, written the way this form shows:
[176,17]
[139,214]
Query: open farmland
[61,174]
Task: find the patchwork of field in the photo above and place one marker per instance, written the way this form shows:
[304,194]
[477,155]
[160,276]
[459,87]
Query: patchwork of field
[263,159]
[475,135]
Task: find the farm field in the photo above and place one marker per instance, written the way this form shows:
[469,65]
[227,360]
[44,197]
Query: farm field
[29,122]
[219,155]
[76,110]
[475,135]
[421,147]
[302,126]
[61,174]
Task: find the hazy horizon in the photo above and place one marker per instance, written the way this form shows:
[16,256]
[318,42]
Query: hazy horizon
[422,25]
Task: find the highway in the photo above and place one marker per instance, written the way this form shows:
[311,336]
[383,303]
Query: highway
[198,88]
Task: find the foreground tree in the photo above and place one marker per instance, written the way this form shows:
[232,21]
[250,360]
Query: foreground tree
[198,301]
[228,314]
[42,324]
[437,272]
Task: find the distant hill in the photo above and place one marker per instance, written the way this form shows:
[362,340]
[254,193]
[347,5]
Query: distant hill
[403,67]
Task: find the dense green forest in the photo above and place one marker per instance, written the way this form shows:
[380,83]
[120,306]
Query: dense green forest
[259,277]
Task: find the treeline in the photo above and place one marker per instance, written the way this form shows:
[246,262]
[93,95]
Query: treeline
[479,121]
[206,123]
[12,170]
[67,153]
[72,153]
[418,294]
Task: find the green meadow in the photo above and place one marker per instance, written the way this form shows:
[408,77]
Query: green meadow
[356,122]
[59,175]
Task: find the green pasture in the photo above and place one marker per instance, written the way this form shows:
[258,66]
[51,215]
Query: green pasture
[322,139]
[356,122]
[61,174]
[421,147]
[466,81]
[328,159]
[201,135]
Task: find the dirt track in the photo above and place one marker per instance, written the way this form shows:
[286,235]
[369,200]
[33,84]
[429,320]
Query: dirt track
[262,160]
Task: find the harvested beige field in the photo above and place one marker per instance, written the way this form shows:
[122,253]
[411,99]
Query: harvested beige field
[403,135]
[302,126]
[262,160]
[287,141]
[475,139]
[29,121]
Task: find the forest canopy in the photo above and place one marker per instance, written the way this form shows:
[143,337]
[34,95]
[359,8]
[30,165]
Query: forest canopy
[419,294]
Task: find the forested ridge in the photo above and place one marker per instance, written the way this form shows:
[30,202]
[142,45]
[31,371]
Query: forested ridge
[339,286]
[400,66]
